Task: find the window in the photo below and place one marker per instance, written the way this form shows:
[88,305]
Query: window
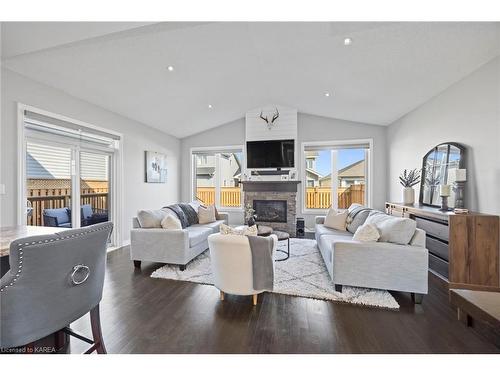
[340,174]
[69,171]
[217,176]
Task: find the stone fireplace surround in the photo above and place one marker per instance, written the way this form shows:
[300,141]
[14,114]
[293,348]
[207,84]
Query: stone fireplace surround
[274,190]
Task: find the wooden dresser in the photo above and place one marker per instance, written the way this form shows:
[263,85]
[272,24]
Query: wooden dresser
[463,249]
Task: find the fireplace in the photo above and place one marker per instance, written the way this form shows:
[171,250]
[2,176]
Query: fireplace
[270,211]
[276,197]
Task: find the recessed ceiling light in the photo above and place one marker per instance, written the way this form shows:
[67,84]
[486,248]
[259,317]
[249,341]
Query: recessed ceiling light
[327,94]
[170,68]
[347,41]
[210,106]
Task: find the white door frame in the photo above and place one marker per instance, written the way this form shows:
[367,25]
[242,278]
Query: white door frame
[116,183]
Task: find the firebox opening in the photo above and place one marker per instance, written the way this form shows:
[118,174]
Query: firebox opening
[273,211]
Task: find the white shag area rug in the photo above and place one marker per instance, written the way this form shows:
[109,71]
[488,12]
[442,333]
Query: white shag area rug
[304,274]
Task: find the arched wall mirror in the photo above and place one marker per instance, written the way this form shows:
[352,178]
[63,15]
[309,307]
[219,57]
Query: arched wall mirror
[439,167]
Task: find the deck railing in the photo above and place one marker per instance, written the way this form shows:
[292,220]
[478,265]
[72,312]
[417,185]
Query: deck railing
[41,199]
[316,197]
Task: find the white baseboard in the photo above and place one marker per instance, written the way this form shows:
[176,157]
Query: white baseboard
[125,243]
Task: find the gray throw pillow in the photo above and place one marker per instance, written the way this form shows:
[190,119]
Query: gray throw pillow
[392,229]
[356,217]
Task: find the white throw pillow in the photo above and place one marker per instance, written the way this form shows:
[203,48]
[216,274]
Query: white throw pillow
[171,222]
[366,233]
[336,220]
[206,215]
[243,231]
[151,218]
[392,229]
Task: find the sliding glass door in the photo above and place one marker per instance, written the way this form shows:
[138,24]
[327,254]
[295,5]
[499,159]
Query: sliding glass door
[49,184]
[95,191]
[69,174]
[65,186]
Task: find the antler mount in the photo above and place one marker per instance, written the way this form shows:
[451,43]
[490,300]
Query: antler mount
[270,122]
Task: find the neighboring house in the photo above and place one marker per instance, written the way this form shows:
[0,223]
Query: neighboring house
[230,170]
[312,176]
[353,174]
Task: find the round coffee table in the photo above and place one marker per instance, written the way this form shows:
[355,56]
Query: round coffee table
[282,236]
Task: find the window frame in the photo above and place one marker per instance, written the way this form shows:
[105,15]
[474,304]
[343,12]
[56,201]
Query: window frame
[216,150]
[334,172]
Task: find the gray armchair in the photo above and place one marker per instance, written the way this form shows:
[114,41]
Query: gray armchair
[53,280]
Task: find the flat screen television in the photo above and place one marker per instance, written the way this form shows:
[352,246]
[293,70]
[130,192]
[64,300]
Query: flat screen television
[271,154]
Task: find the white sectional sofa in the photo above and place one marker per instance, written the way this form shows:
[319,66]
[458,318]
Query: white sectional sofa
[172,246]
[379,265]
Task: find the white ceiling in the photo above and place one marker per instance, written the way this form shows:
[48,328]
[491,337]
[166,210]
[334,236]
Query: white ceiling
[390,69]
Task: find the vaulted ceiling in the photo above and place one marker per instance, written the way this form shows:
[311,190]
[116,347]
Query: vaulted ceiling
[387,71]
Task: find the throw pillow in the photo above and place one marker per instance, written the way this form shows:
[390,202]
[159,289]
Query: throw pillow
[150,218]
[206,215]
[366,233]
[175,208]
[336,220]
[392,229]
[245,231]
[357,216]
[171,222]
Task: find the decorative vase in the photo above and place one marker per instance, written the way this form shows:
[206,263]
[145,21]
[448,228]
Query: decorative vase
[408,195]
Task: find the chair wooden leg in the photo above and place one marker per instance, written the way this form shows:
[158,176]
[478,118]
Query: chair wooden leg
[221,295]
[254,299]
[95,322]
[137,264]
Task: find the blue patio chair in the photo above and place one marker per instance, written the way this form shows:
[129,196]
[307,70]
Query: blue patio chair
[57,217]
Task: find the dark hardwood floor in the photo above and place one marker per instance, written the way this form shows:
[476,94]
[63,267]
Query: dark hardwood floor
[144,315]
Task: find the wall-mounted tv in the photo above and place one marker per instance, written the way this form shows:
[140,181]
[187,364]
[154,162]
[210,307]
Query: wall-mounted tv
[271,154]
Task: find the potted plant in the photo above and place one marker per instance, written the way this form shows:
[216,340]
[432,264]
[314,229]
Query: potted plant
[249,215]
[409,179]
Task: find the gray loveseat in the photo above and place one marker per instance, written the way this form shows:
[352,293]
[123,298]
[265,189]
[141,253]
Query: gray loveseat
[379,265]
[172,246]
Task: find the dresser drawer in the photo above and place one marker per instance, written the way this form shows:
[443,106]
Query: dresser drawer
[433,228]
[438,265]
[437,247]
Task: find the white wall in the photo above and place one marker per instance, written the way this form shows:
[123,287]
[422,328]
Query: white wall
[310,128]
[137,138]
[467,113]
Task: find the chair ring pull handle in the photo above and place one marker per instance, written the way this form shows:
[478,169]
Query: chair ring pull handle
[80,274]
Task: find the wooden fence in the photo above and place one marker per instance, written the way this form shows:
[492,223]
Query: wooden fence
[316,197]
[321,197]
[229,196]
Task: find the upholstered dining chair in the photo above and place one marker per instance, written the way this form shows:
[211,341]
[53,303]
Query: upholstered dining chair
[231,262]
[54,280]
